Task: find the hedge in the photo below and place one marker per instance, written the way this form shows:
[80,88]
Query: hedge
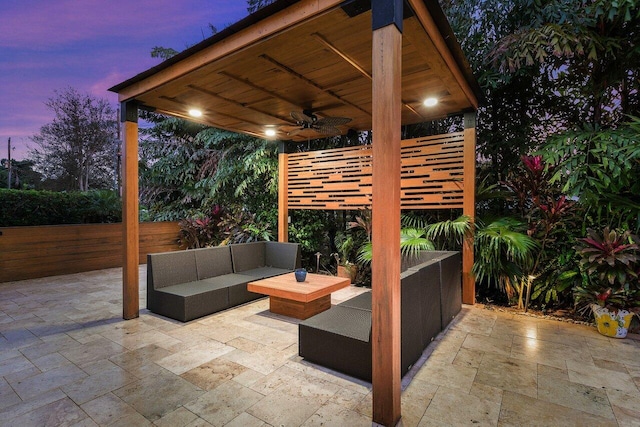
[35,207]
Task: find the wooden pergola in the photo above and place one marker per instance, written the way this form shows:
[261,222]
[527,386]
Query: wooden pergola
[372,61]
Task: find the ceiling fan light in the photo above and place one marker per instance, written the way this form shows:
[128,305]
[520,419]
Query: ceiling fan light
[194,112]
[430,102]
[270,132]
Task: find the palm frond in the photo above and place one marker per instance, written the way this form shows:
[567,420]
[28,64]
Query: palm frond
[449,229]
[412,241]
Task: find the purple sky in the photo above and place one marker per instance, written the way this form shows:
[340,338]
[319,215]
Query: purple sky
[90,45]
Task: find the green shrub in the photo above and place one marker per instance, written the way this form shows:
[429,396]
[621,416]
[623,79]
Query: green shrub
[34,207]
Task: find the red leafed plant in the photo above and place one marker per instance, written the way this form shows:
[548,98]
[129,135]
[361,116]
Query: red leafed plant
[534,164]
[200,232]
[609,262]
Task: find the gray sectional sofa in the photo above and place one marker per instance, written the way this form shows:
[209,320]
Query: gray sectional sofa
[185,285]
[431,296]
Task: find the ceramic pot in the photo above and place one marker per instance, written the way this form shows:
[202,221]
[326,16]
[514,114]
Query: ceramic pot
[350,272]
[301,274]
[612,324]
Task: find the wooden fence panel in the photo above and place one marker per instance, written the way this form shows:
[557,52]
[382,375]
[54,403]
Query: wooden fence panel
[32,252]
[431,175]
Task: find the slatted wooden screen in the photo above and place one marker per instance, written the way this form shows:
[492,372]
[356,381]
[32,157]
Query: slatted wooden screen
[340,179]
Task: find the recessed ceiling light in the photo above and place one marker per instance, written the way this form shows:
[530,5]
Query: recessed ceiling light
[270,132]
[195,113]
[430,102]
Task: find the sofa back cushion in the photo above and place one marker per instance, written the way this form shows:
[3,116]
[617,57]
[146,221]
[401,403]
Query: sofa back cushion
[282,255]
[247,256]
[213,262]
[414,261]
[172,268]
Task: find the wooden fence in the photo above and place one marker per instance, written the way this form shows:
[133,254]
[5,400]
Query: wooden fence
[32,252]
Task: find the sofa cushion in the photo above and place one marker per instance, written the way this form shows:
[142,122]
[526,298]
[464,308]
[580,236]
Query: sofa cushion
[172,268]
[346,321]
[192,300]
[247,256]
[282,255]
[362,301]
[212,262]
[340,339]
[264,272]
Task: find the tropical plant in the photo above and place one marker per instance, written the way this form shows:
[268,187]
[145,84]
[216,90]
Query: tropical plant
[246,172]
[173,162]
[241,226]
[412,241]
[609,263]
[450,232]
[601,168]
[547,212]
[345,245]
[363,222]
[200,232]
[504,253]
[609,258]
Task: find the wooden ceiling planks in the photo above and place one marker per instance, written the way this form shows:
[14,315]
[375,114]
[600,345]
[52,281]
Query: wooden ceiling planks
[322,64]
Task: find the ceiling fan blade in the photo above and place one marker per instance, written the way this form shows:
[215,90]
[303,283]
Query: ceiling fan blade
[300,117]
[333,121]
[328,130]
[294,132]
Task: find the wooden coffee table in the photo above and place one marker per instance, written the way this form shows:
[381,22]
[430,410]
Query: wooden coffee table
[298,299]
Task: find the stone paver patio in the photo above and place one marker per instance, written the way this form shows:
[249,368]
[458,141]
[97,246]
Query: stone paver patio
[67,358]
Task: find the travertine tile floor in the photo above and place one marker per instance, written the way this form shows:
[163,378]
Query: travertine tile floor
[67,358]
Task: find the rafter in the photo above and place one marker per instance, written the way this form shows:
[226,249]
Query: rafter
[322,40]
[217,113]
[252,85]
[239,104]
[427,22]
[311,82]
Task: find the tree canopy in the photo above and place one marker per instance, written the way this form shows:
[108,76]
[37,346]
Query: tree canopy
[548,67]
[77,150]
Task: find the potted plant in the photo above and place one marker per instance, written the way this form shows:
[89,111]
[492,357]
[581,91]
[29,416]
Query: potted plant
[344,245]
[609,265]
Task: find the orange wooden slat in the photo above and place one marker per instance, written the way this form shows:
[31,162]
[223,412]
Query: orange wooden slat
[432,171]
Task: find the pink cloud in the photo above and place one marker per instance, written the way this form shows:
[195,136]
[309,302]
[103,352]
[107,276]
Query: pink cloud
[89,45]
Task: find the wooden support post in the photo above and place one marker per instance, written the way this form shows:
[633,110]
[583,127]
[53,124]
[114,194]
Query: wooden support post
[283,194]
[130,220]
[469,207]
[386,119]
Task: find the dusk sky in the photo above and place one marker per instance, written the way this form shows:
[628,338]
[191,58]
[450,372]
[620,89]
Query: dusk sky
[48,45]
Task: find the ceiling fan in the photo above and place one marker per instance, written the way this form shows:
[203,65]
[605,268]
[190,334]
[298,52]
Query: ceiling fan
[325,125]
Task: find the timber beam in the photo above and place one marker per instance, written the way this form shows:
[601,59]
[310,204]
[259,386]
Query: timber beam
[386,120]
[130,216]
